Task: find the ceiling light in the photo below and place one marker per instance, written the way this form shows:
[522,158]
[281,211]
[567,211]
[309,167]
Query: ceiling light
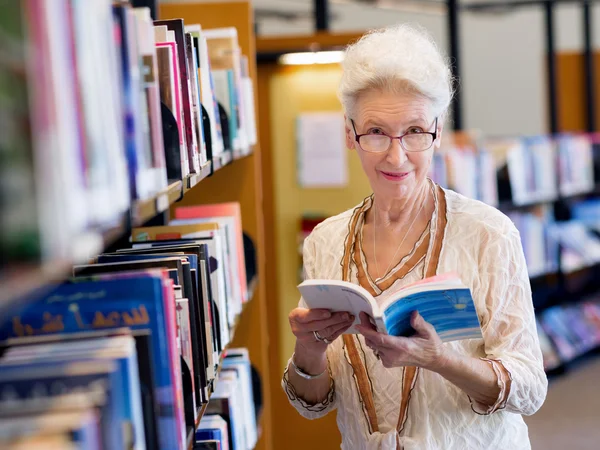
[306,58]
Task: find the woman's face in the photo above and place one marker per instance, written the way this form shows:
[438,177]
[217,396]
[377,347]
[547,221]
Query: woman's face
[395,173]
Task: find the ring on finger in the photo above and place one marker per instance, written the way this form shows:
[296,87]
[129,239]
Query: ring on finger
[320,338]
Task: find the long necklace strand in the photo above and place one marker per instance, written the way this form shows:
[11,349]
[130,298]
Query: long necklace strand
[399,246]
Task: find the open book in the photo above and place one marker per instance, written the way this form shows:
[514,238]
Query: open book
[443,301]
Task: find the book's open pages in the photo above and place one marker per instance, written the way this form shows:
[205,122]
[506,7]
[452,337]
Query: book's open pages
[444,301]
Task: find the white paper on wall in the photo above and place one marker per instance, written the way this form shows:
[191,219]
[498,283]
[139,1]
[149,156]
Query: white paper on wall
[322,159]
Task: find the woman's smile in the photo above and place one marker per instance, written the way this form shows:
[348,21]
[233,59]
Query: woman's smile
[394,175]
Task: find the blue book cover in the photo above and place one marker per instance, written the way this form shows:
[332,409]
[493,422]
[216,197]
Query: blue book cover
[129,97]
[442,300]
[133,300]
[241,364]
[213,428]
[234,112]
[120,349]
[212,434]
[39,387]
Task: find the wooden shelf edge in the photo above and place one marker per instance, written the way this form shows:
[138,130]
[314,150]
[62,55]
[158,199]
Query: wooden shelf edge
[17,283]
[144,210]
[193,179]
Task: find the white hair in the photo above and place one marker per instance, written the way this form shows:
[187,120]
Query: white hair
[402,58]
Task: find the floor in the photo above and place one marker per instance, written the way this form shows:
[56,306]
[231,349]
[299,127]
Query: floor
[570,417]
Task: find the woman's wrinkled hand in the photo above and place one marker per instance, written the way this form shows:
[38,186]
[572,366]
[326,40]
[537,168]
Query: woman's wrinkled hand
[328,325]
[424,349]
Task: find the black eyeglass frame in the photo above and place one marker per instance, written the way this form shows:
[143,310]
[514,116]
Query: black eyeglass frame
[357,137]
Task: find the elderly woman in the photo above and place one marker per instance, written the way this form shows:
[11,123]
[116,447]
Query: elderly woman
[414,393]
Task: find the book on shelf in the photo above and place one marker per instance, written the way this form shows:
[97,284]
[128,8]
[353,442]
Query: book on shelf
[208,310]
[119,349]
[215,270]
[574,329]
[237,361]
[212,433]
[227,403]
[441,300]
[183,278]
[135,107]
[176,25]
[214,235]
[150,83]
[20,240]
[192,59]
[226,62]
[580,246]
[538,239]
[232,410]
[30,389]
[575,164]
[549,354]
[207,89]
[52,430]
[171,95]
[228,215]
[138,300]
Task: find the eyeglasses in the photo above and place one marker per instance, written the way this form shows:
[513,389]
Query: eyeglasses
[410,142]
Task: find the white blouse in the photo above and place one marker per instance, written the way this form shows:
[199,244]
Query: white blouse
[483,246]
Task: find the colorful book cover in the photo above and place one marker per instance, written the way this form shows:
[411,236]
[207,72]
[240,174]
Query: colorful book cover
[221,290]
[443,301]
[226,402]
[120,349]
[238,359]
[137,137]
[135,300]
[195,98]
[184,333]
[174,358]
[170,77]
[176,25]
[189,279]
[213,427]
[150,84]
[222,213]
[27,388]
[79,427]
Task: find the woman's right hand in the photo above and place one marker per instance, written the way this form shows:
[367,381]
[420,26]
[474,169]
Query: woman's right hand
[329,325]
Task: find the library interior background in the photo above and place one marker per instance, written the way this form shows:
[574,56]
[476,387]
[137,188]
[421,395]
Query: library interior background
[163,161]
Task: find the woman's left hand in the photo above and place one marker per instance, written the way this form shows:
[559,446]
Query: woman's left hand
[423,349]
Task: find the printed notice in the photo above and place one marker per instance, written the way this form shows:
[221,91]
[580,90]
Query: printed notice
[322,156]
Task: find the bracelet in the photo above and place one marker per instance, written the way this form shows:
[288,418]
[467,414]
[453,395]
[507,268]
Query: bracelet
[302,373]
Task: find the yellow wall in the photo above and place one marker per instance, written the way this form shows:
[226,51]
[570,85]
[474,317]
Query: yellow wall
[294,90]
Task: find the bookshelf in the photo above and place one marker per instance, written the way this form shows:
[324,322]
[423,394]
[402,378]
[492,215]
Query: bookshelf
[233,177]
[252,331]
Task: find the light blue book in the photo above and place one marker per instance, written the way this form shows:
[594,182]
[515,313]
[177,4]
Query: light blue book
[120,349]
[443,301]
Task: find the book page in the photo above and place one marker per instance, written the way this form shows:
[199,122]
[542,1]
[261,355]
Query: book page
[337,296]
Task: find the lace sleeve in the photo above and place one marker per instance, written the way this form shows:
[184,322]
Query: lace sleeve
[308,410]
[509,329]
